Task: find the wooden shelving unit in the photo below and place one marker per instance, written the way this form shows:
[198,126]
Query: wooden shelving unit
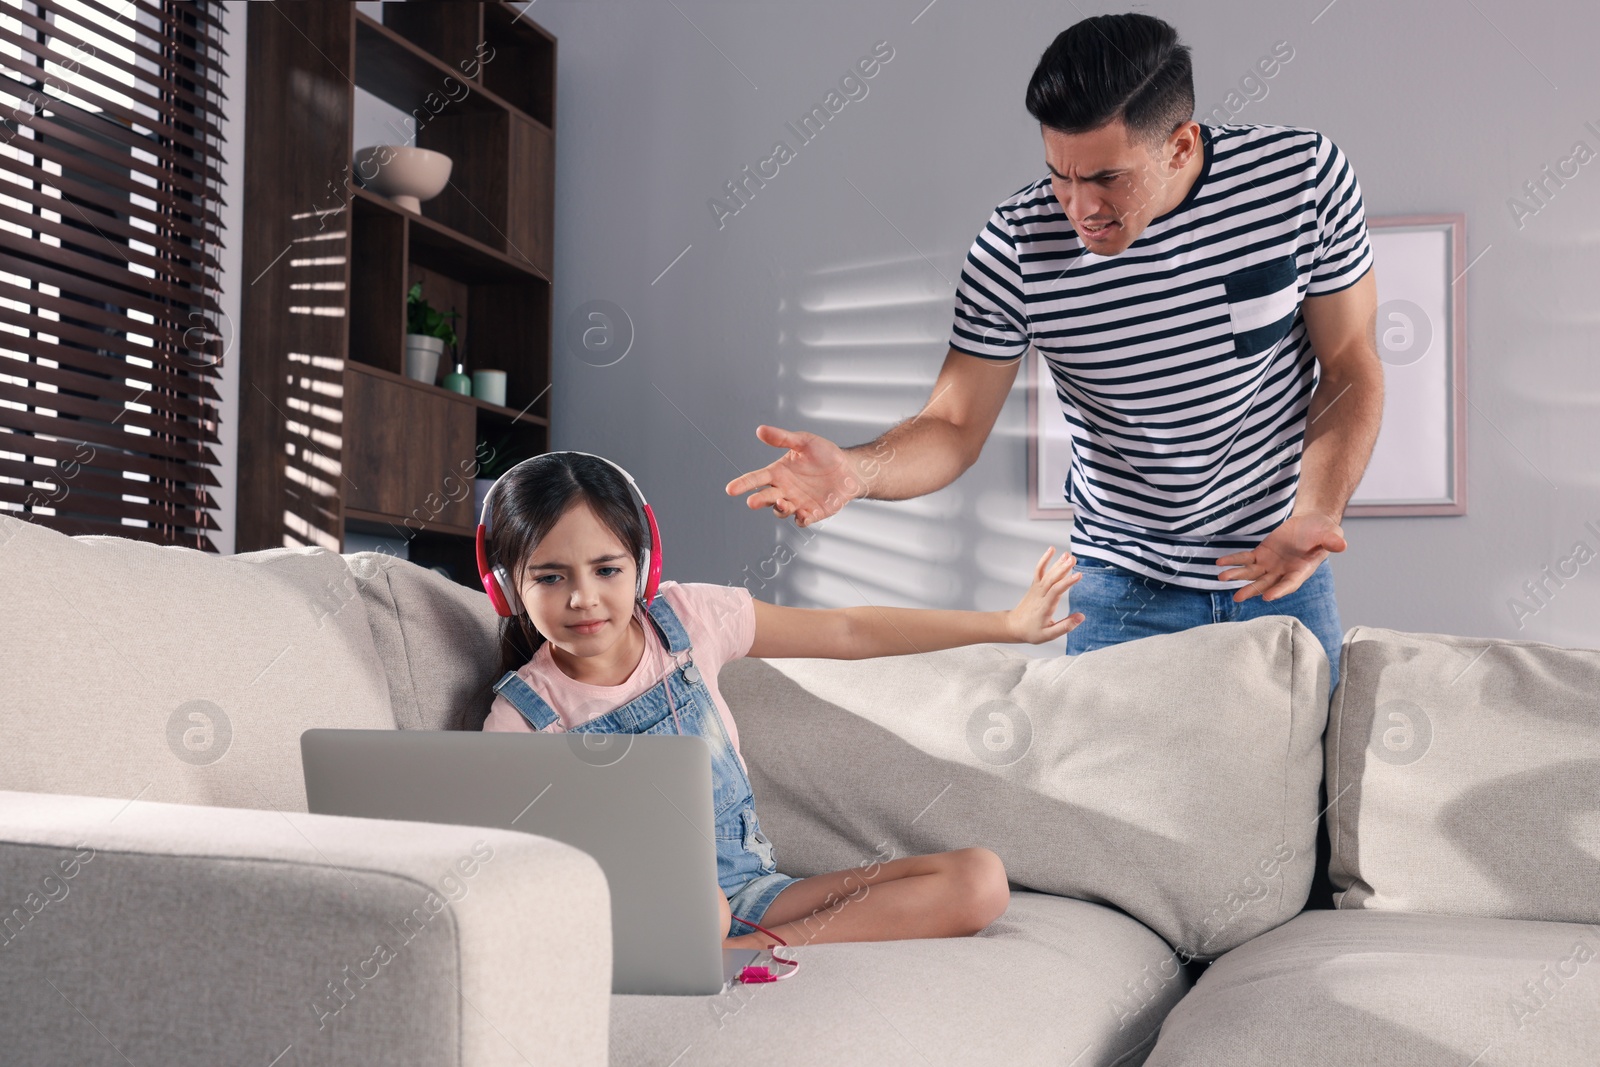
[334,437]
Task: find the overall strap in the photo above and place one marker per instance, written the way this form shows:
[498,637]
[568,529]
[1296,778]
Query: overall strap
[522,697]
[673,635]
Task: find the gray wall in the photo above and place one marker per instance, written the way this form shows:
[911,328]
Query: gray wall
[825,303]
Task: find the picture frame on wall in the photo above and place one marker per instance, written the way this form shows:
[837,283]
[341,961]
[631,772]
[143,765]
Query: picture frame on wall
[1419,462]
[1049,443]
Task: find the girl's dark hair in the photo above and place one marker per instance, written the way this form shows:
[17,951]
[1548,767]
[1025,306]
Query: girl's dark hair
[1129,67]
[527,501]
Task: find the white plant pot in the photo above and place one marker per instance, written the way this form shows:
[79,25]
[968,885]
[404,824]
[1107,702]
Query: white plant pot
[422,357]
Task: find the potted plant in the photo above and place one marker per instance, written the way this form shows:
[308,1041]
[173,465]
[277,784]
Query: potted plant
[427,332]
[498,452]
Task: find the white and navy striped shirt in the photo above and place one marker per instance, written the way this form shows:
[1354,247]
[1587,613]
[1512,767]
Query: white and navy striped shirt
[1182,363]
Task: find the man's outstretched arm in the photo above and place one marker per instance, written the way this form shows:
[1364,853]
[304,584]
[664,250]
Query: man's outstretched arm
[815,477]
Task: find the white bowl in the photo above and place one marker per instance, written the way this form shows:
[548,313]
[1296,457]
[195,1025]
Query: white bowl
[402,173]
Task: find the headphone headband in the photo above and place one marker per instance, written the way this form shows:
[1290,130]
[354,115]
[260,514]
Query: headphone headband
[497,582]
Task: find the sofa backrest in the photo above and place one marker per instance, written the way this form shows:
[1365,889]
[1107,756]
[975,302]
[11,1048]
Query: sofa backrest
[1464,777]
[171,674]
[1174,777]
[438,641]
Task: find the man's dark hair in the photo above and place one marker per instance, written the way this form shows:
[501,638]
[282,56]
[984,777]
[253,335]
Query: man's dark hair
[1129,67]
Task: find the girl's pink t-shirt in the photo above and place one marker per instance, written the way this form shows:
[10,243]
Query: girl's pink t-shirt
[721,622]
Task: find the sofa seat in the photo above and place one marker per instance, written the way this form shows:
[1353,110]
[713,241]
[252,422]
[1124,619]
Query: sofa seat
[1360,987]
[1052,981]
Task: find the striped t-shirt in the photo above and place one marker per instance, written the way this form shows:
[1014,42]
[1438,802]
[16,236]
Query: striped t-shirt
[1182,363]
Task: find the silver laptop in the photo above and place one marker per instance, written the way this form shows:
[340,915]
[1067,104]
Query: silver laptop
[640,805]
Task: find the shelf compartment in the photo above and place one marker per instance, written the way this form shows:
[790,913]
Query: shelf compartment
[377,285]
[509,326]
[503,326]
[521,69]
[475,200]
[502,184]
[450,32]
[401,74]
[444,249]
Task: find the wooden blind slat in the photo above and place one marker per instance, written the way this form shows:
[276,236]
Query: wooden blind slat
[73,473]
[112,390]
[76,527]
[62,451]
[31,76]
[147,151]
[173,371]
[87,502]
[171,319]
[182,21]
[158,420]
[170,71]
[96,240]
[70,160]
[180,233]
[165,106]
[99,433]
[95,147]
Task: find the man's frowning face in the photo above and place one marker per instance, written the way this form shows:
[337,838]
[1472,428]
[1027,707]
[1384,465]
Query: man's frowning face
[1111,187]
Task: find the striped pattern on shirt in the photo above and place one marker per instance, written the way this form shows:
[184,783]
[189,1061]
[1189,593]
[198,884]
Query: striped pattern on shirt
[1182,364]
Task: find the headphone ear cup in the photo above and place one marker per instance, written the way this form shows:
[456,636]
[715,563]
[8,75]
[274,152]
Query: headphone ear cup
[651,575]
[496,597]
[508,592]
[490,577]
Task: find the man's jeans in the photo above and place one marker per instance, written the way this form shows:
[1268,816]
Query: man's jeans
[1119,605]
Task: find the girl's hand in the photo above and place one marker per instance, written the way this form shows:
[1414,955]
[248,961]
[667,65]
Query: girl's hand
[1031,620]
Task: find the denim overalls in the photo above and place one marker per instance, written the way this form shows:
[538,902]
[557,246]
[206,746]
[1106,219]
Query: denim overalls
[746,868]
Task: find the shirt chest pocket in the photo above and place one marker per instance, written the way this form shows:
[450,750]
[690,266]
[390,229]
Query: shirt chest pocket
[1262,302]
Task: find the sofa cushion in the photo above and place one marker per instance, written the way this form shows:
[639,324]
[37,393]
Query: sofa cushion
[1052,981]
[438,640]
[1337,988]
[168,673]
[1174,777]
[1464,775]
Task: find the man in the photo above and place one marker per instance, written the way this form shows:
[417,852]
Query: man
[1205,300]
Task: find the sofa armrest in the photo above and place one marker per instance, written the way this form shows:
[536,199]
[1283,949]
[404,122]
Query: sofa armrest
[185,934]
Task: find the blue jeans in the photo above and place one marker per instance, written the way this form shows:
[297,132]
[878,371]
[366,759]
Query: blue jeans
[1119,605]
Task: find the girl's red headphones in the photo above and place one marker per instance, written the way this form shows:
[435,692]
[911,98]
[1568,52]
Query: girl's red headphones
[497,581]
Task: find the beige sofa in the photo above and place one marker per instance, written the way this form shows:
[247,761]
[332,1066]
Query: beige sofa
[166,898]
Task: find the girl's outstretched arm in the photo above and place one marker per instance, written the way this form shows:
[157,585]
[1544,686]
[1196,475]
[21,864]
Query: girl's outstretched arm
[860,633]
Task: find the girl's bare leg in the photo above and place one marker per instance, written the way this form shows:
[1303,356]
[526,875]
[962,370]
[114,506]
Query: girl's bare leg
[945,894]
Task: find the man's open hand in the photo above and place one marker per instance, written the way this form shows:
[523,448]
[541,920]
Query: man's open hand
[1285,558]
[810,481]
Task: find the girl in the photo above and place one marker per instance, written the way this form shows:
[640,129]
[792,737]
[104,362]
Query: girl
[588,646]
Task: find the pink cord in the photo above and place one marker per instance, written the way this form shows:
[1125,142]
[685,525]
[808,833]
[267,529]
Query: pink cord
[755,975]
